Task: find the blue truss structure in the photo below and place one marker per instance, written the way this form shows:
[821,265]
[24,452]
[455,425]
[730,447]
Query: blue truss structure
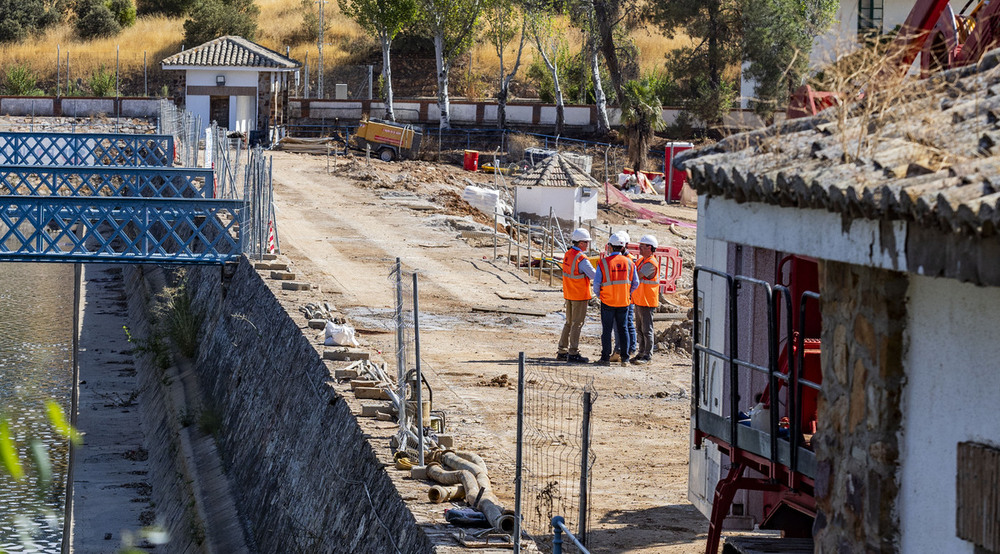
[86,149]
[120,229]
[163,182]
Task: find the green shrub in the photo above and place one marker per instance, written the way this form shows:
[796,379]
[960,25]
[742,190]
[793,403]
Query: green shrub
[102,82]
[18,18]
[172,8]
[124,12]
[95,20]
[211,19]
[19,80]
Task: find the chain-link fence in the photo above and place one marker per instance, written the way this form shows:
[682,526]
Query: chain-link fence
[186,129]
[343,82]
[554,457]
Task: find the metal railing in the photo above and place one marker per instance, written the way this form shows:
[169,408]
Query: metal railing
[86,149]
[109,229]
[164,182]
[185,127]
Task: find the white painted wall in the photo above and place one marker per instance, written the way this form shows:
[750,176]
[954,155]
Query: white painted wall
[242,109]
[951,395]
[781,229]
[567,203]
[705,466]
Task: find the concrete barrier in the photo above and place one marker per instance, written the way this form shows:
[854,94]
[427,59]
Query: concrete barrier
[78,106]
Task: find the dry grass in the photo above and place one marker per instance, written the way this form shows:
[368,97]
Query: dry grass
[280,27]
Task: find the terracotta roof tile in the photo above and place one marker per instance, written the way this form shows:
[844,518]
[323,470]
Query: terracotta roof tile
[555,171]
[230,51]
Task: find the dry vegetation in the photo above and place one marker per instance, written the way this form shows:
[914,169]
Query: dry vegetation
[280,25]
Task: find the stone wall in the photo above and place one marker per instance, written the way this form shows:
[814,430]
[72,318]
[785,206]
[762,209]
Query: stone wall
[303,475]
[856,443]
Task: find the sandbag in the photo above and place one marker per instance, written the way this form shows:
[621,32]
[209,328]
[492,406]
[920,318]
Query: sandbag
[339,335]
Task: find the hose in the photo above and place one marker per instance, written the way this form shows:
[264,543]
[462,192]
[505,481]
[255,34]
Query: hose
[476,483]
[438,494]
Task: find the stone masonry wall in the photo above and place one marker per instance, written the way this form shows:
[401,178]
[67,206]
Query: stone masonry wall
[856,443]
[303,475]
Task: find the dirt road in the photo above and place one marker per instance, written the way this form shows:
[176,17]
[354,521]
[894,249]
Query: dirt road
[347,227]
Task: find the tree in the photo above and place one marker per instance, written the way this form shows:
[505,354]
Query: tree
[384,19]
[614,18]
[19,18]
[501,20]
[642,115]
[714,26]
[211,19]
[19,80]
[584,17]
[777,39]
[95,20]
[172,8]
[452,25]
[551,44]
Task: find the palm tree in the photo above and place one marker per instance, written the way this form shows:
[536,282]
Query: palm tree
[642,115]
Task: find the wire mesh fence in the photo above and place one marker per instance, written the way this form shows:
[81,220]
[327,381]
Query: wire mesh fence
[344,82]
[555,460]
[186,129]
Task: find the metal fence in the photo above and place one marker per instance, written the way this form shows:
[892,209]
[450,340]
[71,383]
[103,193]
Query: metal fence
[186,129]
[86,149]
[554,457]
[357,82]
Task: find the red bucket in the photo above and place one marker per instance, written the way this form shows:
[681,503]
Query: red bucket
[471,162]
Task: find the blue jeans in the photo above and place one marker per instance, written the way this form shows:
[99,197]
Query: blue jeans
[614,319]
[633,335]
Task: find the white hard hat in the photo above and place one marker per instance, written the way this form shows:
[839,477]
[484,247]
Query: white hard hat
[616,240]
[625,237]
[650,240]
[580,234]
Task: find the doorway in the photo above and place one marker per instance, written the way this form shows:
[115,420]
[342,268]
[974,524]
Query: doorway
[218,110]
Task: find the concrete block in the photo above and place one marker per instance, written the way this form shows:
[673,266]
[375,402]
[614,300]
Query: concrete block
[317,324]
[262,265]
[345,374]
[364,383]
[269,257]
[384,416]
[280,266]
[446,441]
[282,275]
[372,410]
[295,285]
[418,472]
[346,354]
[372,393]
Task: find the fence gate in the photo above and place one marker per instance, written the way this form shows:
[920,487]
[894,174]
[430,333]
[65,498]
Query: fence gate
[554,457]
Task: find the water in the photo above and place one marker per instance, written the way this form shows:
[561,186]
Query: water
[36,340]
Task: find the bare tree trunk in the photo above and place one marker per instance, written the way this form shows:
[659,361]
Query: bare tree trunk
[442,66]
[606,13]
[506,78]
[553,66]
[603,125]
[387,78]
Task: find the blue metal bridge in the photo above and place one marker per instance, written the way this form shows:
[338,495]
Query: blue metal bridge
[111,198]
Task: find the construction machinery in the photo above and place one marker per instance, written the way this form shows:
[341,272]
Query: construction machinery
[388,140]
[942,38]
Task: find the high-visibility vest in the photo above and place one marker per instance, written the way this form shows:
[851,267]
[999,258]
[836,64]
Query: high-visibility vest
[616,280]
[648,293]
[576,285]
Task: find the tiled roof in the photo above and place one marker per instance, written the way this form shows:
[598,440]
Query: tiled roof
[555,171]
[932,158]
[230,51]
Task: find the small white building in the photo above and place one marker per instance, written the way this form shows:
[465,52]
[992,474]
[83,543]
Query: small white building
[235,82]
[559,185]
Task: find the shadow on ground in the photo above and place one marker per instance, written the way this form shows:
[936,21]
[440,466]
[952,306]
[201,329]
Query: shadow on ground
[624,530]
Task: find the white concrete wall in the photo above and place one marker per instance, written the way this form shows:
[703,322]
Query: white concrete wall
[75,107]
[777,228]
[567,203]
[951,395]
[199,104]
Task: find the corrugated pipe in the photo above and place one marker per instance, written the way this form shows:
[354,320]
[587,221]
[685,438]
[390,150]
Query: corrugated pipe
[439,493]
[473,478]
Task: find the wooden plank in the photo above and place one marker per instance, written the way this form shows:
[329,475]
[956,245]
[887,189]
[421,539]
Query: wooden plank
[506,310]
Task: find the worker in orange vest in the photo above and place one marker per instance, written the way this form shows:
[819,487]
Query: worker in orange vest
[618,355]
[647,297]
[614,282]
[577,275]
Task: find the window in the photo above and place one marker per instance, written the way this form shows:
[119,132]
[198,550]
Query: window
[869,17]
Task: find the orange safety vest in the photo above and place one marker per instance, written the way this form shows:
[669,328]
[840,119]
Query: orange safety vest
[648,293]
[616,280]
[576,285]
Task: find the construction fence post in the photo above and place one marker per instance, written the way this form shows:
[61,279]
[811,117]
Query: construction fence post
[585,466]
[519,465]
[419,409]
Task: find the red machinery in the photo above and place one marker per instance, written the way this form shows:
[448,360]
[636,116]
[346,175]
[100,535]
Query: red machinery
[944,39]
[774,456]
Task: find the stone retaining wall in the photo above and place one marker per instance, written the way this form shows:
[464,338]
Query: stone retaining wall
[302,473]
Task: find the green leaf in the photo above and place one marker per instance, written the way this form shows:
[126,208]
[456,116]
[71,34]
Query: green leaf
[58,421]
[8,451]
[40,455]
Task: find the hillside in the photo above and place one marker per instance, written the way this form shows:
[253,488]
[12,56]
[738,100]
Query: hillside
[281,27]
